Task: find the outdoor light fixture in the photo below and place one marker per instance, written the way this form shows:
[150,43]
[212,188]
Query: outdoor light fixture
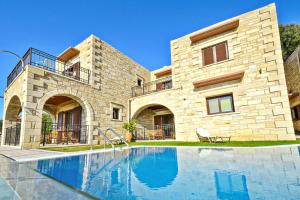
[10,52]
[5,51]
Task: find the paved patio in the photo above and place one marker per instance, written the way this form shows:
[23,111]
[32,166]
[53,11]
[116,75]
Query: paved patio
[22,155]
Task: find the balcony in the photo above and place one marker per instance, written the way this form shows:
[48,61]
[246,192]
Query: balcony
[50,63]
[153,86]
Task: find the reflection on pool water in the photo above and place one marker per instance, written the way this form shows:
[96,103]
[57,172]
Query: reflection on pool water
[182,173]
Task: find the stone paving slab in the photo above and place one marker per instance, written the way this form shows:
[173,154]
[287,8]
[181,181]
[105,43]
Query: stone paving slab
[21,181]
[21,154]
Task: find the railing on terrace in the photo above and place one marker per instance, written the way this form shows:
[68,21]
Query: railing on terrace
[59,133]
[50,63]
[12,135]
[155,132]
[153,86]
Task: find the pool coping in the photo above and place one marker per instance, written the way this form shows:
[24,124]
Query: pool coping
[87,152]
[66,154]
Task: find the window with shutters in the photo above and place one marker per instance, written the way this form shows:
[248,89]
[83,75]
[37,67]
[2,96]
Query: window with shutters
[215,53]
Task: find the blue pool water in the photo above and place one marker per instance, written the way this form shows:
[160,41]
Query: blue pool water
[181,173]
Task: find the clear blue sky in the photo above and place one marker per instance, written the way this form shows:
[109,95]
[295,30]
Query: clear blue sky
[142,29]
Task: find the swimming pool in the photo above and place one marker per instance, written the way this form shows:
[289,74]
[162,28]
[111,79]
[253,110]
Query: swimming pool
[181,173]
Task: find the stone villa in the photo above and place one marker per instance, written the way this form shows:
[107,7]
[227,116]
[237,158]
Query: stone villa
[227,78]
[292,73]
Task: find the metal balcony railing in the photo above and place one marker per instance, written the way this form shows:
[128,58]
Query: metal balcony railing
[153,86]
[35,57]
[12,135]
[155,132]
[60,133]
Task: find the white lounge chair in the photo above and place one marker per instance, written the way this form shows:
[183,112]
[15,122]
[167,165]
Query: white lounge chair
[117,140]
[204,134]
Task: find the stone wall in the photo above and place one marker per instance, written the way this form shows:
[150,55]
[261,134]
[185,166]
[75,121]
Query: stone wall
[17,90]
[146,119]
[292,74]
[112,76]
[260,97]
[117,74]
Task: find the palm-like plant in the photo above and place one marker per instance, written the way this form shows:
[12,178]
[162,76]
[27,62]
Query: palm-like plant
[130,127]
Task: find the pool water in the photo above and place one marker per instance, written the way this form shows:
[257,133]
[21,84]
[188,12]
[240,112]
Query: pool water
[181,173]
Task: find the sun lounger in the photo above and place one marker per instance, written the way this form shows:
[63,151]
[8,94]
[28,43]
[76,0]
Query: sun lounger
[203,134]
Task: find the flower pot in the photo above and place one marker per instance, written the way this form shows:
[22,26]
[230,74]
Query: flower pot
[128,136]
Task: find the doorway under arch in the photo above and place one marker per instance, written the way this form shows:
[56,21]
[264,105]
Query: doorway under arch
[66,122]
[154,122]
[12,122]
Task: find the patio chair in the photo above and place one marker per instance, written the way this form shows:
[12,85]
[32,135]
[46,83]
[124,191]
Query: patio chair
[158,134]
[52,137]
[151,134]
[204,134]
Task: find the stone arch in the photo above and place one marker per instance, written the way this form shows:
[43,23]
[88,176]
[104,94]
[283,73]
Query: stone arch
[12,121]
[87,110]
[51,114]
[154,121]
[138,106]
[13,108]
[140,109]
[73,95]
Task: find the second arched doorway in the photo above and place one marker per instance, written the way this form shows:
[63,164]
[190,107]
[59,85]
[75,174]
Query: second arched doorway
[154,122]
[12,122]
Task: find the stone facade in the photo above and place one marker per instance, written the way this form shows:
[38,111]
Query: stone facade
[292,74]
[261,105]
[260,97]
[112,76]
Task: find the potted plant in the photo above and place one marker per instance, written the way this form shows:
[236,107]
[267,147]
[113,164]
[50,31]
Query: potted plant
[130,127]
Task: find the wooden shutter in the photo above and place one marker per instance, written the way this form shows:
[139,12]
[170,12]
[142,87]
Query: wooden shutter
[221,51]
[157,120]
[76,114]
[67,118]
[60,119]
[76,70]
[159,86]
[297,112]
[208,56]
[76,126]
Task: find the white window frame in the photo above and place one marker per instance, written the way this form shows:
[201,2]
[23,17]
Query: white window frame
[121,111]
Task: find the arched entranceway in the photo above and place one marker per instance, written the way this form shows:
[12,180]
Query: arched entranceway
[154,122]
[64,121]
[12,122]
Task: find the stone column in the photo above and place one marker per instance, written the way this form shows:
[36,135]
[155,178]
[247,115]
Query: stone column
[31,128]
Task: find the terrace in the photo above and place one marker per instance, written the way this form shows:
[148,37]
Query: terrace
[57,65]
[152,86]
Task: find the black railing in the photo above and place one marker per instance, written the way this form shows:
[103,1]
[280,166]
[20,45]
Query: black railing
[155,132]
[153,86]
[50,63]
[54,133]
[12,135]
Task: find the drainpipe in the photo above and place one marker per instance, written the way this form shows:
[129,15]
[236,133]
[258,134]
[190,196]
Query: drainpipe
[129,110]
